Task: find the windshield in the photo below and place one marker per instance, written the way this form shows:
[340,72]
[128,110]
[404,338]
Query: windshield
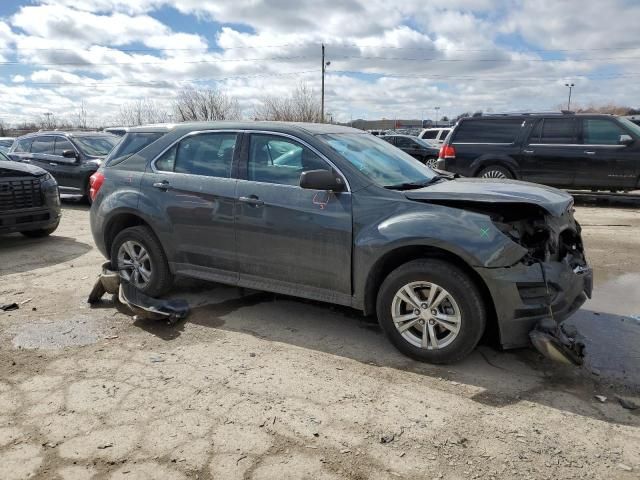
[424,142]
[96,146]
[630,125]
[383,163]
[132,143]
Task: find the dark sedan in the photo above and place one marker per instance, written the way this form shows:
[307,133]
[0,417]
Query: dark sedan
[416,147]
[71,157]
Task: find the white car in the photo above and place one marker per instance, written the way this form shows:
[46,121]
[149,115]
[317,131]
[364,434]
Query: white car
[435,135]
[5,144]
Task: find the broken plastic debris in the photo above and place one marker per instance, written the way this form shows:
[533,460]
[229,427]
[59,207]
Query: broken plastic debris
[8,307]
[552,341]
[142,306]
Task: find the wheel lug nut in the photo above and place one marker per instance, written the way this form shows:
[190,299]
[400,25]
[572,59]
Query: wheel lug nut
[424,306]
[434,312]
[416,312]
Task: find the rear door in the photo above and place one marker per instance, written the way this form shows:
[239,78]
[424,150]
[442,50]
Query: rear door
[606,162]
[191,185]
[409,146]
[552,155]
[42,150]
[291,239]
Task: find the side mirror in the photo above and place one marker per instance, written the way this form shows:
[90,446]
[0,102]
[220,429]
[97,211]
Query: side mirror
[70,154]
[322,180]
[625,140]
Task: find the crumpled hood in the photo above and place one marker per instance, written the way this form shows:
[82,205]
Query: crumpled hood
[14,169]
[551,199]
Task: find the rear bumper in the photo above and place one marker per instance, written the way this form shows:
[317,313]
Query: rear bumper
[29,219]
[521,300]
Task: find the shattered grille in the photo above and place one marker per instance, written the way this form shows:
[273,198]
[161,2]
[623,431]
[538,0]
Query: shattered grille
[20,193]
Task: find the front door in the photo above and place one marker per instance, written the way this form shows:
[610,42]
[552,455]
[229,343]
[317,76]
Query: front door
[551,155]
[290,239]
[190,187]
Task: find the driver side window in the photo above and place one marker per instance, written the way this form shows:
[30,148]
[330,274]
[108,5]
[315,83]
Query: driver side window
[280,160]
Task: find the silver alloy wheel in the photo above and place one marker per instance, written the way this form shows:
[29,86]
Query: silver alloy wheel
[493,174]
[431,162]
[134,263]
[426,315]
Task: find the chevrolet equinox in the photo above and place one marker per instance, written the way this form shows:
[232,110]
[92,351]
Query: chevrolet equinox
[335,214]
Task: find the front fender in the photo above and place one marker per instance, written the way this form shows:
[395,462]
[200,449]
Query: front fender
[470,236]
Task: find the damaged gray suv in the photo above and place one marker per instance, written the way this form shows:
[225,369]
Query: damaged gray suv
[335,214]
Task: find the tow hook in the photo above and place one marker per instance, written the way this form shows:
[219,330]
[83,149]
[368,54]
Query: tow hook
[557,342]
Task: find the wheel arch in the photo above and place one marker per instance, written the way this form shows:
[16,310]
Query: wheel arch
[399,256]
[502,161]
[119,222]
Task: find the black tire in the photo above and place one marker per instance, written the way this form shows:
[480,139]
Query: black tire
[87,196]
[43,232]
[161,278]
[495,172]
[459,285]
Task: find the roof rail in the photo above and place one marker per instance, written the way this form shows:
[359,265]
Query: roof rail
[507,114]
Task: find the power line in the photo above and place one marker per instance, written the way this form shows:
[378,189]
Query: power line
[162,83]
[482,78]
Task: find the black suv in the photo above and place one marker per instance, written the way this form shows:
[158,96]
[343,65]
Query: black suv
[335,214]
[576,151]
[29,199]
[416,147]
[71,157]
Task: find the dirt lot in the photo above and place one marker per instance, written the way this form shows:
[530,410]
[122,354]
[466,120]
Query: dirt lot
[268,387]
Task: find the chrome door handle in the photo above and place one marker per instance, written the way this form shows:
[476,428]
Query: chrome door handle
[252,200]
[53,163]
[527,151]
[589,152]
[164,185]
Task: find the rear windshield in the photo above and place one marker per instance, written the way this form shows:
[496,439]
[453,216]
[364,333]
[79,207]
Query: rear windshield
[488,131]
[131,143]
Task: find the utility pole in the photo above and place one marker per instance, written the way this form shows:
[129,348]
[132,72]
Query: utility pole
[436,118]
[570,85]
[324,69]
[322,101]
[48,115]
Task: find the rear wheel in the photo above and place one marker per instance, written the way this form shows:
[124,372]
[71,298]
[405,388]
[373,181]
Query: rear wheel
[431,311]
[430,162]
[495,171]
[138,255]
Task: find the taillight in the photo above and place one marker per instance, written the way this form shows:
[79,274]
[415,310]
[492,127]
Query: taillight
[95,182]
[447,151]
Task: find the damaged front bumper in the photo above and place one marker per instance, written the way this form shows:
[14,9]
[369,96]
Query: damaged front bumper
[523,295]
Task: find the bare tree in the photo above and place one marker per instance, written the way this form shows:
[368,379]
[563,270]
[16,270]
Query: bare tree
[80,117]
[141,112]
[302,106]
[205,104]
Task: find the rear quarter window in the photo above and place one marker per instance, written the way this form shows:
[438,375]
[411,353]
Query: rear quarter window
[130,144]
[488,131]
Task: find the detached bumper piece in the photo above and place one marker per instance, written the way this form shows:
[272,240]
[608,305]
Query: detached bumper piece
[552,341]
[141,305]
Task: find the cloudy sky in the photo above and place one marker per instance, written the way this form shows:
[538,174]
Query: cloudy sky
[393,59]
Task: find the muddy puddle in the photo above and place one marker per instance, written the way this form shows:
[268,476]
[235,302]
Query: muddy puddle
[609,325]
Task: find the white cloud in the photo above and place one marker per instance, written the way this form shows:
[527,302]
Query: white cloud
[417,54]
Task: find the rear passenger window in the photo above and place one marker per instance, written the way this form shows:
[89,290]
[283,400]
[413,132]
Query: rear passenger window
[601,132]
[43,145]
[558,130]
[207,154]
[430,134]
[488,131]
[274,159]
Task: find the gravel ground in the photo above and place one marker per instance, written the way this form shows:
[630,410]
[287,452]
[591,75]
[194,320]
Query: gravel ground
[259,386]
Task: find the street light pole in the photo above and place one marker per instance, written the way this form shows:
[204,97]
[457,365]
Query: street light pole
[436,118]
[570,85]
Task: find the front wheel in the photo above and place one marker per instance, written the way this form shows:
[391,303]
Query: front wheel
[138,255]
[495,171]
[431,311]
